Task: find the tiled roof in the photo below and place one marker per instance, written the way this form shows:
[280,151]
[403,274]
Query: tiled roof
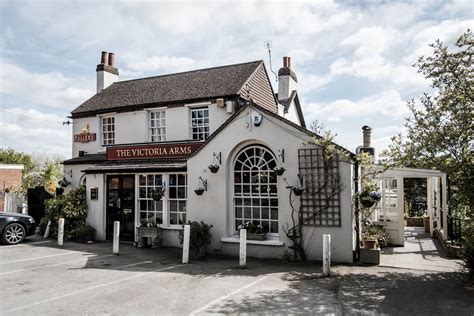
[185,86]
[87,158]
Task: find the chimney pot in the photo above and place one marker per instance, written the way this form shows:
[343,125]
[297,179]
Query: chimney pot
[103,58]
[366,132]
[286,62]
[112,59]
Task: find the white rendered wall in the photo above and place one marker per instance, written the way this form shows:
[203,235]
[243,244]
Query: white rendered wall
[105,79]
[216,205]
[292,114]
[131,127]
[96,208]
[286,85]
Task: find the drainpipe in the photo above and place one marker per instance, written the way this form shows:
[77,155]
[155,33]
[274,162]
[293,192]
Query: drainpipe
[356,203]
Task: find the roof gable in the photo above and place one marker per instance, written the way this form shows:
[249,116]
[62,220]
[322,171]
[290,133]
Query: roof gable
[192,85]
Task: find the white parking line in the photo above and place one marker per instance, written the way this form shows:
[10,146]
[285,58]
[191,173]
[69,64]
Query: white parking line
[90,288]
[56,264]
[223,297]
[26,244]
[37,258]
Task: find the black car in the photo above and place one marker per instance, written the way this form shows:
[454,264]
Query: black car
[14,227]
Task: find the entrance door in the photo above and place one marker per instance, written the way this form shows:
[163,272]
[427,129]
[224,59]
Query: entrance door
[389,211]
[121,206]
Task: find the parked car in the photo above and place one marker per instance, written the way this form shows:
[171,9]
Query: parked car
[14,227]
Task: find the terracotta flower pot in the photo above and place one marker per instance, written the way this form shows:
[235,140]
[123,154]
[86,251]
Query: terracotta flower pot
[370,243]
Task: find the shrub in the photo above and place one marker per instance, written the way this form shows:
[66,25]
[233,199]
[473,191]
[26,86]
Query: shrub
[83,233]
[467,247]
[71,206]
[200,236]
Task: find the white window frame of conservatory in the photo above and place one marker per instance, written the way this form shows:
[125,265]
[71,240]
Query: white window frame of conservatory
[235,233]
[165,199]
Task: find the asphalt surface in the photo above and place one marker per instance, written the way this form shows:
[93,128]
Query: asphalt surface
[40,278]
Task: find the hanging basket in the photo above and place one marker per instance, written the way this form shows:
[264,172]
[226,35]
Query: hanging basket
[279,170]
[199,191]
[367,201]
[297,190]
[214,168]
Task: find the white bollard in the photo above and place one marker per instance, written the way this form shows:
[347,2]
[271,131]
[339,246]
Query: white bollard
[243,249]
[326,255]
[46,231]
[115,248]
[186,235]
[60,231]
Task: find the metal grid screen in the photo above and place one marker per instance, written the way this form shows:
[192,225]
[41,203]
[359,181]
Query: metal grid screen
[320,201]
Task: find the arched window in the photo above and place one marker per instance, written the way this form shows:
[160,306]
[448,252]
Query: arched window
[255,188]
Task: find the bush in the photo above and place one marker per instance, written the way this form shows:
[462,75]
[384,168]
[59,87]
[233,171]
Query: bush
[83,234]
[71,206]
[200,236]
[467,247]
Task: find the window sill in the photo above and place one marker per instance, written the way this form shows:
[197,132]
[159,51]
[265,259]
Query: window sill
[268,242]
[171,227]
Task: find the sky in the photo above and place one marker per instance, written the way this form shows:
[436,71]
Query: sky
[353,59]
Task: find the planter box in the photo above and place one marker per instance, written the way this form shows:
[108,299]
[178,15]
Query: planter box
[370,256]
[148,232]
[255,236]
[415,221]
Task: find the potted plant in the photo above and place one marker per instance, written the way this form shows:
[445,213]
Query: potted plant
[200,237]
[279,170]
[214,167]
[254,231]
[157,194]
[368,199]
[149,230]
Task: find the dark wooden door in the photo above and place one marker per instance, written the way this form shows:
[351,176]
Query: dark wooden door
[121,206]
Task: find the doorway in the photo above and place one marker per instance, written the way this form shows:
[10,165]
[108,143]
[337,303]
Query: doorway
[121,206]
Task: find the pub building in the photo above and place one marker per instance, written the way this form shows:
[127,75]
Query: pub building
[224,149]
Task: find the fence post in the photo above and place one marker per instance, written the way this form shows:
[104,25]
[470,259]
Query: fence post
[115,248]
[326,255]
[186,235]
[243,249]
[60,231]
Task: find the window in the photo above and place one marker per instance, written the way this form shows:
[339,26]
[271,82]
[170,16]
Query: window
[177,199]
[149,209]
[255,189]
[200,123]
[108,130]
[171,209]
[158,126]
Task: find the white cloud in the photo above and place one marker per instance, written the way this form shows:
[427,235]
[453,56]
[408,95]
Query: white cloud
[387,103]
[167,64]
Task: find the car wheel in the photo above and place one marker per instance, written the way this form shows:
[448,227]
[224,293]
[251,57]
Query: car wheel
[13,234]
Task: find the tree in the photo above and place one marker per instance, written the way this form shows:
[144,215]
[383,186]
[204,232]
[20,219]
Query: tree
[9,156]
[440,127]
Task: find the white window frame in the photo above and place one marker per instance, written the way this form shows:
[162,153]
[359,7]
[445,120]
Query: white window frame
[165,200]
[242,196]
[105,141]
[161,129]
[198,125]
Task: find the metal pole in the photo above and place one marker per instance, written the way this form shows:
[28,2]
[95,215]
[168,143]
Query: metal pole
[115,248]
[326,255]
[243,249]
[60,231]
[187,233]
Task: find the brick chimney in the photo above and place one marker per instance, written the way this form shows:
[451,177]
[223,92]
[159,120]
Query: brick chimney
[366,140]
[287,81]
[106,71]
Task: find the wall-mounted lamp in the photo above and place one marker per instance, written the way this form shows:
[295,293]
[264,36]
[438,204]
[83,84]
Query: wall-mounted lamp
[281,154]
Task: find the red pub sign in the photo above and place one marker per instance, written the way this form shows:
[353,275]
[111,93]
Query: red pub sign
[152,151]
[85,137]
